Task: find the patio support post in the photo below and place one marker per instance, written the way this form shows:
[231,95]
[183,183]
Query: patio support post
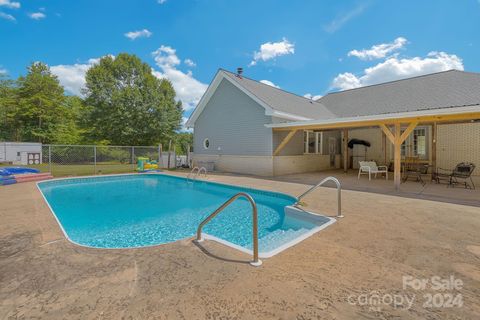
[284,142]
[397,138]
[434,148]
[345,150]
[397,157]
[384,146]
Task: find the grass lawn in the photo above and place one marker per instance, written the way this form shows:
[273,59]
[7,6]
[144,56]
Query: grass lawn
[82,169]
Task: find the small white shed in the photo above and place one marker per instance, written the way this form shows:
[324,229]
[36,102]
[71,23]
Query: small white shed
[21,153]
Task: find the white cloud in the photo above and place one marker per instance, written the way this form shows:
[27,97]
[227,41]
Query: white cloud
[395,68]
[379,51]
[72,77]
[190,63]
[9,4]
[342,19]
[312,97]
[271,50]
[132,35]
[37,15]
[346,81]
[189,90]
[161,1]
[7,16]
[166,56]
[3,71]
[270,83]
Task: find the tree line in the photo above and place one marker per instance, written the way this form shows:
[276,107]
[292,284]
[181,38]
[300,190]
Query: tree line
[123,103]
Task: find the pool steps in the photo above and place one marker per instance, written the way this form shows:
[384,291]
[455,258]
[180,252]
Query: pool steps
[270,241]
[17,178]
[33,177]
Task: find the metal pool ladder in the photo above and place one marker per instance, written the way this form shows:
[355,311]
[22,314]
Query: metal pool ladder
[195,175]
[256,262]
[339,194]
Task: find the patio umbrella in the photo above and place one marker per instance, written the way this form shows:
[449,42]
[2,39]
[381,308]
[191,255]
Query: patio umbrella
[352,142]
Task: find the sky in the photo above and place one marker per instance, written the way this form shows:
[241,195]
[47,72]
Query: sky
[306,47]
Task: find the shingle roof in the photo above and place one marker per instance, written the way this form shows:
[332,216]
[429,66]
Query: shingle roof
[446,89]
[281,100]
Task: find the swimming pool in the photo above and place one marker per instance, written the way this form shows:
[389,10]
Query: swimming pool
[130,211]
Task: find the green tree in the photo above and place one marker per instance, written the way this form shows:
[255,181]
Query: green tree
[41,106]
[70,128]
[10,126]
[183,141]
[128,104]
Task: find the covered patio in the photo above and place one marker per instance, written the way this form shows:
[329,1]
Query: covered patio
[409,189]
[395,128]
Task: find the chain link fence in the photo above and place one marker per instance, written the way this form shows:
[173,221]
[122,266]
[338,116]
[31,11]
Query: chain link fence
[77,160]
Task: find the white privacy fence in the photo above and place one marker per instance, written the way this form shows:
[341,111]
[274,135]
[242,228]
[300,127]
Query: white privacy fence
[71,160]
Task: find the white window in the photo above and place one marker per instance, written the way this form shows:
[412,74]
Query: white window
[313,142]
[420,142]
[206,143]
[416,144]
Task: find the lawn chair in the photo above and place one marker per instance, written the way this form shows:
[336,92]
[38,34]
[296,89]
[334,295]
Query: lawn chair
[463,171]
[369,167]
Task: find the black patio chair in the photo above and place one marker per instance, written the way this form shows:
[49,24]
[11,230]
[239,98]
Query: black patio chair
[462,174]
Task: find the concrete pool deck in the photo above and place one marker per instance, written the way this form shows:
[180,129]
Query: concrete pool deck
[381,239]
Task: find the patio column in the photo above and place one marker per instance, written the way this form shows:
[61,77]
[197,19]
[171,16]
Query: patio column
[384,146]
[345,150]
[284,142]
[397,138]
[397,157]
[434,147]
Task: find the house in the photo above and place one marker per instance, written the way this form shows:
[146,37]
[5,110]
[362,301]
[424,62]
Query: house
[244,126]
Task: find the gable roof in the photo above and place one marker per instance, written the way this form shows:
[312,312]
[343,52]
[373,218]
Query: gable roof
[445,89]
[281,100]
[277,102]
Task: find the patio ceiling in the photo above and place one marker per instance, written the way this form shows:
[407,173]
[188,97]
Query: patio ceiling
[453,114]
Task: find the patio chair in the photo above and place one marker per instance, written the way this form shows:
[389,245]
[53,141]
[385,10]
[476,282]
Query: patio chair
[370,167]
[462,174]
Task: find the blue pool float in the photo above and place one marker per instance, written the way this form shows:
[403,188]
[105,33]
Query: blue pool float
[6,180]
[8,171]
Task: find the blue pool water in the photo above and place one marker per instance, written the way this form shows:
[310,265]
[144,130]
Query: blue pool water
[142,210]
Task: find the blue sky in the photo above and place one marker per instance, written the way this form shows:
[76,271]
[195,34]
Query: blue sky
[306,47]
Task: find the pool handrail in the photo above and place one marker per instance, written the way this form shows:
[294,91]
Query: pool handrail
[195,176]
[191,172]
[339,194]
[256,262]
[200,171]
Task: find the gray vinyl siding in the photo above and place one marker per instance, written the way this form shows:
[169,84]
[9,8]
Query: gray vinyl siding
[233,122]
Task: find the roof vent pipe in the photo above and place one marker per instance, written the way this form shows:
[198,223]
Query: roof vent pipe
[239,72]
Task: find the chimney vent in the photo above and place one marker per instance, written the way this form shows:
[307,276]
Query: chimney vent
[239,72]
